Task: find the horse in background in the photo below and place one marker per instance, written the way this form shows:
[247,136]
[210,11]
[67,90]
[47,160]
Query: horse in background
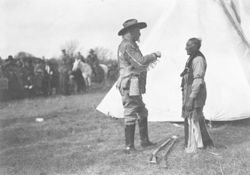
[105,70]
[85,69]
[76,81]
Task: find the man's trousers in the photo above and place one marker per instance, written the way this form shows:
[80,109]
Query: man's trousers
[134,108]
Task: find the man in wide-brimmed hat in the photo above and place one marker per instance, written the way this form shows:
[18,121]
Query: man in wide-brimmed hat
[132,81]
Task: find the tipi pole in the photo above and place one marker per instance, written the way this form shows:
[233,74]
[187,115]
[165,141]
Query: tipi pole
[238,30]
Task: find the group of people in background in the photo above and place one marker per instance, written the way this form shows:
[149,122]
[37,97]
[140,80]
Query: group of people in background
[25,76]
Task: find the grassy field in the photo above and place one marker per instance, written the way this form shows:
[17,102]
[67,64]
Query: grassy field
[76,139]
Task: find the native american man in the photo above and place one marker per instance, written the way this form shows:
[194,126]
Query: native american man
[194,98]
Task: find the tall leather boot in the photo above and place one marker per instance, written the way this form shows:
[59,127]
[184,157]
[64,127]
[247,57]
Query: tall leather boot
[143,130]
[129,138]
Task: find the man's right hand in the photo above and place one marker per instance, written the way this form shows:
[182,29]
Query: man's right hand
[158,54]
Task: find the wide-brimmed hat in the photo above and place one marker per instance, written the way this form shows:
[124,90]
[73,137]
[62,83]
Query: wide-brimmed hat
[131,23]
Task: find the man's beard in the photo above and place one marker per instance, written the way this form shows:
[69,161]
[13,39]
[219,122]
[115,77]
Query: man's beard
[138,40]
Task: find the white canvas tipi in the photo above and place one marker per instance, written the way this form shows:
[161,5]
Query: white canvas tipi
[218,24]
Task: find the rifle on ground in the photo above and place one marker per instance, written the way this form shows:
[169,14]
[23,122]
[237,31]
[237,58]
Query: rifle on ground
[153,157]
[168,150]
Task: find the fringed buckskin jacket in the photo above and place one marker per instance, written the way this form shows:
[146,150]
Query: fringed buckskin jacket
[132,68]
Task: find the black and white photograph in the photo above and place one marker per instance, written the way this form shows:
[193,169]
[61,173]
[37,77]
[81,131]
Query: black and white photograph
[124,87]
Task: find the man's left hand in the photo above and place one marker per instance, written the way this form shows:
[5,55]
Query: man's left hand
[190,104]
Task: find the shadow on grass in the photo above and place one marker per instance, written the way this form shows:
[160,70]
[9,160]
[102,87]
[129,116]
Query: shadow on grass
[231,133]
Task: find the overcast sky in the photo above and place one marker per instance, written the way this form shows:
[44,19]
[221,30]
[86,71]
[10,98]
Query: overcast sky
[41,27]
